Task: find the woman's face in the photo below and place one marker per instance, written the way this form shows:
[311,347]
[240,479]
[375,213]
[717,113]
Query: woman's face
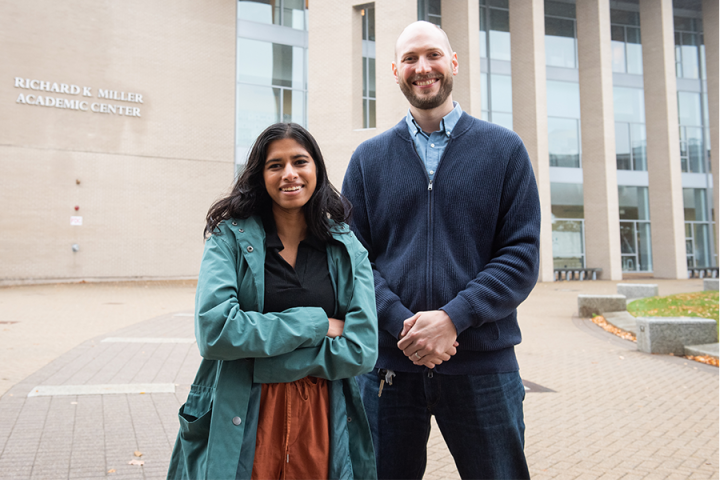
[290,174]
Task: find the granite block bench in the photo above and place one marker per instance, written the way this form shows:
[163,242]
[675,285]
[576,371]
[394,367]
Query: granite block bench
[637,290]
[589,305]
[671,334]
[710,284]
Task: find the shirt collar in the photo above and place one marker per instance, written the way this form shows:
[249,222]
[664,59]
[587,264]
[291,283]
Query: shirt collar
[447,123]
[272,240]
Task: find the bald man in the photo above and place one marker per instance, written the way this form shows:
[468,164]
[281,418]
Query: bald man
[447,207]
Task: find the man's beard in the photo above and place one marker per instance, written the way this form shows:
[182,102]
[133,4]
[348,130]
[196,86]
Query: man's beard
[425,102]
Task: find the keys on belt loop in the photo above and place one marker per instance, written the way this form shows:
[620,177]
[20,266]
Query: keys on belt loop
[386,376]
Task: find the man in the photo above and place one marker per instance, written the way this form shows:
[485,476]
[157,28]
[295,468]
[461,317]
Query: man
[448,209]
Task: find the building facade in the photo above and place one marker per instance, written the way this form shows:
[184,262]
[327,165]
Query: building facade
[122,123]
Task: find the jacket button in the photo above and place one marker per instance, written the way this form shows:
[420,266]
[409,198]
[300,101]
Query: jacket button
[241,230]
[237,420]
[250,249]
[349,419]
[234,224]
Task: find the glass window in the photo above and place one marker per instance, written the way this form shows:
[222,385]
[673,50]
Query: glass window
[568,247]
[622,146]
[694,202]
[564,142]
[294,14]
[483,32]
[617,45]
[634,51]
[689,111]
[499,34]
[563,99]
[629,104]
[503,119]
[261,11]
[484,91]
[638,145]
[567,200]
[430,11]
[268,63]
[258,107]
[634,203]
[560,9]
[560,42]
[623,17]
[501,98]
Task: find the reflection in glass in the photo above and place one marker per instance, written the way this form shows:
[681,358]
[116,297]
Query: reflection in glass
[563,99]
[294,14]
[634,51]
[627,238]
[695,205]
[266,63]
[689,111]
[499,34]
[501,93]
[568,248]
[566,200]
[258,107]
[260,11]
[560,42]
[638,142]
[564,142]
[622,146]
[503,119]
[629,104]
[644,247]
[633,202]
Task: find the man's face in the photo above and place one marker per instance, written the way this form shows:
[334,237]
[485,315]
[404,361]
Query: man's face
[424,66]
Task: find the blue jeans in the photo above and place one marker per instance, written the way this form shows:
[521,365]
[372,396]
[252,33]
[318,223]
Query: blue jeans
[480,418]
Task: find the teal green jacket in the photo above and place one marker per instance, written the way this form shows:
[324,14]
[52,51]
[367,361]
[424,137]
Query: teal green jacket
[242,347]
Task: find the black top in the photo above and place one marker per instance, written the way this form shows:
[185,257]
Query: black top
[306,285]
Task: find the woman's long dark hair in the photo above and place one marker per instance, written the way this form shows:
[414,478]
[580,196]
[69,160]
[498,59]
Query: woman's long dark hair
[249,195]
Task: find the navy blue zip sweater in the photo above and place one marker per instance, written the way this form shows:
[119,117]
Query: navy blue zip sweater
[467,243]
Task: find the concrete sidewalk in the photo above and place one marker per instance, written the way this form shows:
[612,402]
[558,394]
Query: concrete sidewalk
[596,407]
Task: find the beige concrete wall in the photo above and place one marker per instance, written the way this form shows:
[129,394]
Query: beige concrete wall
[527,31]
[600,192]
[663,147]
[334,100]
[145,183]
[461,22]
[710,32]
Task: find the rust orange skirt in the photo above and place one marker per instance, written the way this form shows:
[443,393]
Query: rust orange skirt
[293,436]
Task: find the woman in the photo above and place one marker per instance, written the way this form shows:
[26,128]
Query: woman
[284,318]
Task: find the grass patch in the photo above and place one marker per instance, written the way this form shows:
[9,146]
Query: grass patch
[696,304]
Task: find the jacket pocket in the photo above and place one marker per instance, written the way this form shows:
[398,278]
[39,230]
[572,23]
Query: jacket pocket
[194,417]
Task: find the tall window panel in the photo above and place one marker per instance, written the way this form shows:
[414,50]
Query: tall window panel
[690,118]
[630,137]
[368,61]
[698,231]
[286,13]
[271,82]
[430,11]
[626,45]
[568,225]
[496,82]
[560,34]
[563,107]
[635,239]
[689,48]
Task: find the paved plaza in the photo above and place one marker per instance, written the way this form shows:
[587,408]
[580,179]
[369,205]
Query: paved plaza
[92,376]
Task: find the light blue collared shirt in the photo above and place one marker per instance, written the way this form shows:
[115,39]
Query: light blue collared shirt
[431,147]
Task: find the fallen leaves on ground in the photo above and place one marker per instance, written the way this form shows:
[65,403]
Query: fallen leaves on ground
[112,470]
[602,323]
[138,453]
[707,359]
[136,462]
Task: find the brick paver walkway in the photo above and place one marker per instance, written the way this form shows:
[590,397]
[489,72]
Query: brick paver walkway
[611,412]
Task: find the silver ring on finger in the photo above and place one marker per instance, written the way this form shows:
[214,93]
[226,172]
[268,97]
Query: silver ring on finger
[417,356]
